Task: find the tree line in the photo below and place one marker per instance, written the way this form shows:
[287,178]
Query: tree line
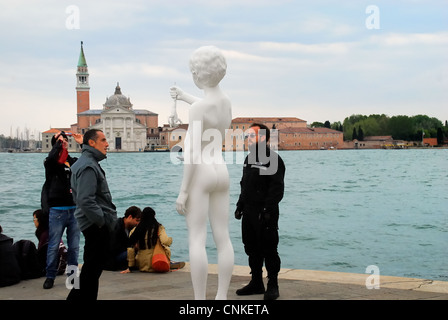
[400,127]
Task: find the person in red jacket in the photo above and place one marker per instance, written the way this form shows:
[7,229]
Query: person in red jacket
[57,202]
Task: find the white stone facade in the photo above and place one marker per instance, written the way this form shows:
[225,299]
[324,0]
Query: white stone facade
[123,130]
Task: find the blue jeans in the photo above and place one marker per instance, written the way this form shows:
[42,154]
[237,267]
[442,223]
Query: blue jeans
[59,220]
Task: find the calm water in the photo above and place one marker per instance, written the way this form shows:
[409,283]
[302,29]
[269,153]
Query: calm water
[342,211]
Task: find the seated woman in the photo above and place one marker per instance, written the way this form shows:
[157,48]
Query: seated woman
[143,238]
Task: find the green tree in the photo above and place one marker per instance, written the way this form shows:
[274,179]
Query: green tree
[402,128]
[336,126]
[317,124]
[439,136]
[425,122]
[360,134]
[354,134]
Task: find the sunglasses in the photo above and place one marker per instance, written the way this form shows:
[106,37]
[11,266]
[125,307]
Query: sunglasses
[250,135]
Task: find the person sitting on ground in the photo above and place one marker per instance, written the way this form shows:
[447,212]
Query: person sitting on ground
[42,233]
[9,267]
[120,241]
[143,239]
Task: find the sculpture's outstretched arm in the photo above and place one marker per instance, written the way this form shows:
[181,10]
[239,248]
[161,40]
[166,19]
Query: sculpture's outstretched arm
[178,94]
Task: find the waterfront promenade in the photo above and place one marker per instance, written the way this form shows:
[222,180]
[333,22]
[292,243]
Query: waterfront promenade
[294,285]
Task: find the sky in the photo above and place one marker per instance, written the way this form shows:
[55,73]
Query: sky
[315,60]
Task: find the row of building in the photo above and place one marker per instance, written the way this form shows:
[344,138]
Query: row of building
[132,130]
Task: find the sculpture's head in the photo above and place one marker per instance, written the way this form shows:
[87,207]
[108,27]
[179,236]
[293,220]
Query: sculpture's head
[208,66]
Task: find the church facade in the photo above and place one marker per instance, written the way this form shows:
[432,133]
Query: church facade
[126,129]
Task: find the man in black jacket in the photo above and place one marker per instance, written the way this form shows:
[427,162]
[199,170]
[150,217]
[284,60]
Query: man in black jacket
[262,188]
[57,202]
[120,238]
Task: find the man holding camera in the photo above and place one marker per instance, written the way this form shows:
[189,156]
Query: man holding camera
[57,202]
[262,188]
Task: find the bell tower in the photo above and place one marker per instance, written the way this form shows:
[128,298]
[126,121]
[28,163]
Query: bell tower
[82,84]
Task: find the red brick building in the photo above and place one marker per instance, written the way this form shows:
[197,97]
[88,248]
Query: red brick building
[287,133]
[430,142]
[309,139]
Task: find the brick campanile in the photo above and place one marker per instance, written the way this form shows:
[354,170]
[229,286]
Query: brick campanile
[82,84]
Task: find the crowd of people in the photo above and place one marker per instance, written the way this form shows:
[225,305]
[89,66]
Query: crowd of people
[122,244]
[76,199]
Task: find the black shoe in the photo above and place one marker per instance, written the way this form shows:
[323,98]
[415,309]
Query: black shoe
[254,287]
[272,290]
[48,284]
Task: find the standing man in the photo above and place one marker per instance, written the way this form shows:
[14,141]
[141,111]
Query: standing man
[95,213]
[58,205]
[262,187]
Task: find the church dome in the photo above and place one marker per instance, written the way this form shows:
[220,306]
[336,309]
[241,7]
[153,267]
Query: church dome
[118,100]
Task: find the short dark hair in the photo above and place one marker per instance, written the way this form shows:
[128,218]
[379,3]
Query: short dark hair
[91,134]
[262,127]
[133,211]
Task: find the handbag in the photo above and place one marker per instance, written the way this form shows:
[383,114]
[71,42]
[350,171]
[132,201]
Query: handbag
[160,262]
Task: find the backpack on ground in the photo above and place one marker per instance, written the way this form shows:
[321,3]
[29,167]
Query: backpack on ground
[27,258]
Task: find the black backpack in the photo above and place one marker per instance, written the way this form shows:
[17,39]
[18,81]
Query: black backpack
[9,268]
[26,254]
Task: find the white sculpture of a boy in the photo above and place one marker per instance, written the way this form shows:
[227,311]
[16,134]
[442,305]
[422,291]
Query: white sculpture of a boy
[204,193]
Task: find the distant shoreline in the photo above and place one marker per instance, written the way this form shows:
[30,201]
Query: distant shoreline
[283,150]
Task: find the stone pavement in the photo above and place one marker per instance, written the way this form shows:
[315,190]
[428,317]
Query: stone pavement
[293,284]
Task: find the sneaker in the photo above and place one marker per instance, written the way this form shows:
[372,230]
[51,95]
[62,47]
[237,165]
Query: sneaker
[176,265]
[48,284]
[254,287]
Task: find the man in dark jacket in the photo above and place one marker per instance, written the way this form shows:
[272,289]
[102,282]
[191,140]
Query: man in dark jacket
[9,266]
[57,202]
[95,213]
[262,187]
[118,259]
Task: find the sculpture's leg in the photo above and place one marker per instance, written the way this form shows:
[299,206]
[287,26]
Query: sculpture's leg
[219,221]
[196,217]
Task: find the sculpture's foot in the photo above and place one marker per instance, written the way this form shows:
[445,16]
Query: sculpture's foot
[221,296]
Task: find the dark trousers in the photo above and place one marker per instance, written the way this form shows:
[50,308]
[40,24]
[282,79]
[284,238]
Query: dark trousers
[260,239]
[95,256]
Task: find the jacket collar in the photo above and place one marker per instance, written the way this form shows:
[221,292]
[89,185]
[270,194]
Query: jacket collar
[96,154]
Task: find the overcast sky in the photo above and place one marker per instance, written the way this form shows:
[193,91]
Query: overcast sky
[315,60]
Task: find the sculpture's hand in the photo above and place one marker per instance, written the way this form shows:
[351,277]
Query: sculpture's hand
[176,93]
[180,203]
